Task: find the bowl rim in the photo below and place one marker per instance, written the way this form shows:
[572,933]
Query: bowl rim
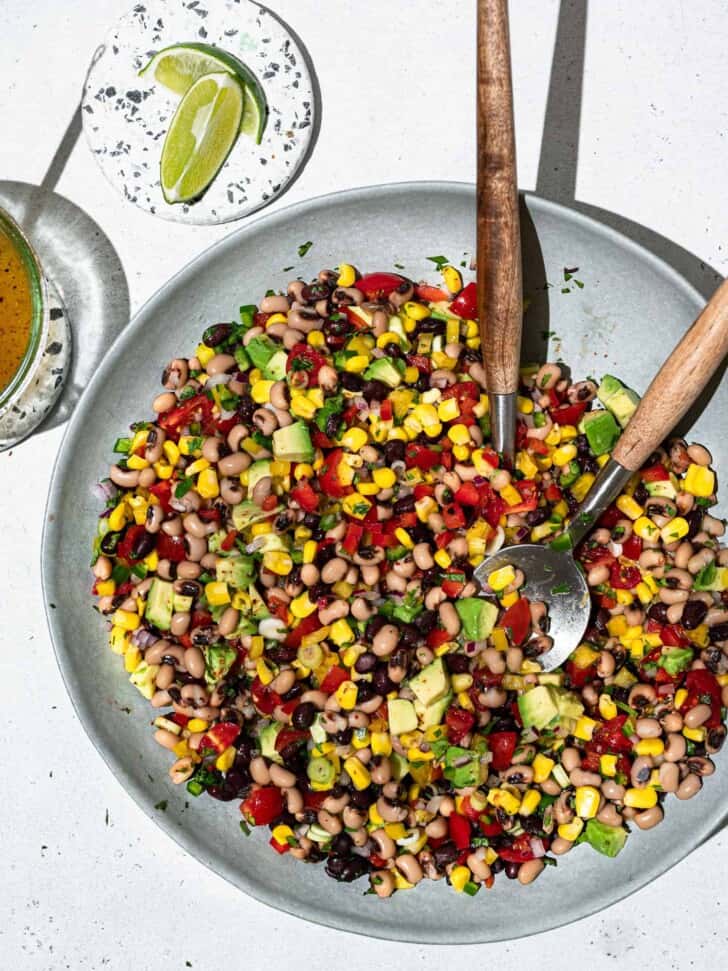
[355,924]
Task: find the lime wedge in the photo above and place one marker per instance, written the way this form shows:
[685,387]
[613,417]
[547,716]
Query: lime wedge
[178,67]
[203,130]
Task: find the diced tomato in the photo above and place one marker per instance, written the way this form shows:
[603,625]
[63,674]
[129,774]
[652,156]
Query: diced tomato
[307,626]
[126,544]
[385,410]
[277,607]
[306,359]
[468,495]
[459,722]
[569,414]
[377,286]
[334,677]
[466,303]
[289,736]
[703,688]
[610,517]
[519,851]
[623,577]
[492,509]
[179,719]
[305,495]
[463,390]
[422,489]
[425,291]
[314,800]
[260,319]
[220,736]
[529,496]
[378,537]
[262,805]
[580,676]
[356,317]
[378,862]
[502,745]
[655,473]
[421,457]
[354,533]
[420,361]
[437,637]
[594,556]
[174,421]
[443,539]
[320,440]
[163,491]
[229,541]
[673,635]
[211,515]
[489,825]
[171,547]
[536,446]
[453,588]
[632,548]
[607,602]
[466,809]
[610,738]
[264,699]
[453,516]
[459,830]
[329,478]
[517,619]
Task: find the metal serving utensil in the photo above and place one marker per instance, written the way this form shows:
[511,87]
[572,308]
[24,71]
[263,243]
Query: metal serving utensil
[552,574]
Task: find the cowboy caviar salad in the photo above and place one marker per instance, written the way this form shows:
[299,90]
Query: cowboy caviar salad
[285,561]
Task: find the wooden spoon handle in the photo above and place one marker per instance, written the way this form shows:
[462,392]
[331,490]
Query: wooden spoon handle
[500,295]
[678,383]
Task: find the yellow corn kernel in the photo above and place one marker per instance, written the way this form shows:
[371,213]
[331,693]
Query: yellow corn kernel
[542,766]
[568,432]
[257,645]
[542,531]
[524,405]
[125,619]
[464,699]
[645,528]
[199,465]
[506,800]
[341,633]
[461,682]
[260,392]
[459,434]
[381,743]
[367,488]
[118,517]
[511,495]
[722,680]
[608,764]
[137,462]
[404,537]
[650,746]
[356,505]
[217,593]
[582,486]
[302,407]
[499,639]
[699,481]
[500,579]
[629,507]
[225,760]
[694,734]
[443,558]
[681,696]
[347,275]
[644,594]
[204,354]
[584,728]
[482,466]
[303,471]
[461,452]
[163,470]
[171,452]
[260,529]
[309,551]
[674,530]
[189,444]
[241,600]
[416,311]
[525,464]
[448,410]
[607,708]
[452,279]
[278,562]
[530,802]
[384,478]
[346,695]
[509,599]
[640,798]
[357,772]
[263,671]
[207,484]
[105,588]
[586,801]
[617,626]
[132,659]
[118,640]
[357,363]
[564,455]
[316,338]
[570,831]
[584,656]
[198,725]
[459,876]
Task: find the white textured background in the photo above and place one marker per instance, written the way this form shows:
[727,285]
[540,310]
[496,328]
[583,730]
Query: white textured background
[86,880]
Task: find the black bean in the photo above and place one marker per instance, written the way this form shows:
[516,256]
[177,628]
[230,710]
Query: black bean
[303,715]
[445,853]
[341,844]
[716,737]
[695,522]
[403,505]
[143,545]
[693,613]
[537,516]
[366,691]
[409,636]
[343,737]
[295,692]
[324,554]
[601,620]
[189,588]
[430,325]
[311,520]
[457,663]
[382,682]
[216,334]
[426,622]
[365,663]
[394,452]
[497,866]
[110,540]
[363,798]
[280,654]
[313,292]
[347,868]
[350,381]
[719,632]
[374,390]
[246,750]
[511,870]
[422,383]
[658,613]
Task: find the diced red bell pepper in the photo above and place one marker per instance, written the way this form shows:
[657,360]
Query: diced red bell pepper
[632,548]
[378,862]
[264,699]
[163,491]
[502,745]
[489,825]
[623,577]
[277,607]
[179,719]
[377,286]
[437,637]
[459,830]
[334,677]
[464,390]
[468,494]
[553,493]
[529,497]
[305,495]
[580,676]
[314,800]
[307,626]
[355,316]
[536,446]
[220,736]
[459,722]
[425,291]
[421,457]
[303,357]
[466,809]
[595,556]
[126,544]
[354,533]
[453,516]
[610,517]
[492,509]
[517,619]
[569,414]
[655,473]
[444,538]
[421,490]
[453,588]
[386,411]
[329,478]
[703,688]
[229,541]
[200,618]
[289,736]
[279,847]
[465,305]
[673,635]
[262,806]
[519,851]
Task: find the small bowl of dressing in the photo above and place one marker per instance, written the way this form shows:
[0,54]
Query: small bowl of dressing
[24,325]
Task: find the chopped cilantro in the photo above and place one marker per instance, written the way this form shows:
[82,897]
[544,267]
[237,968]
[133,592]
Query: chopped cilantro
[304,248]
[161,805]
[183,487]
[439,261]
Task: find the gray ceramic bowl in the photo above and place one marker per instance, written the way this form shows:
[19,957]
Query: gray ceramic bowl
[630,312]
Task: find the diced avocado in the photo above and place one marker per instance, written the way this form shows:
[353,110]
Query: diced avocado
[431,683]
[160,603]
[605,839]
[385,371]
[569,705]
[258,608]
[143,678]
[664,489]
[551,677]
[260,350]
[712,577]
[182,604]
[267,741]
[321,772]
[257,471]
[318,732]
[624,678]
[601,431]
[463,767]
[676,659]
[430,715]
[402,716]
[275,369]
[236,571]
[219,658]
[539,707]
[246,513]
[477,616]
[397,327]
[293,443]
[619,399]
[214,540]
[400,766]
